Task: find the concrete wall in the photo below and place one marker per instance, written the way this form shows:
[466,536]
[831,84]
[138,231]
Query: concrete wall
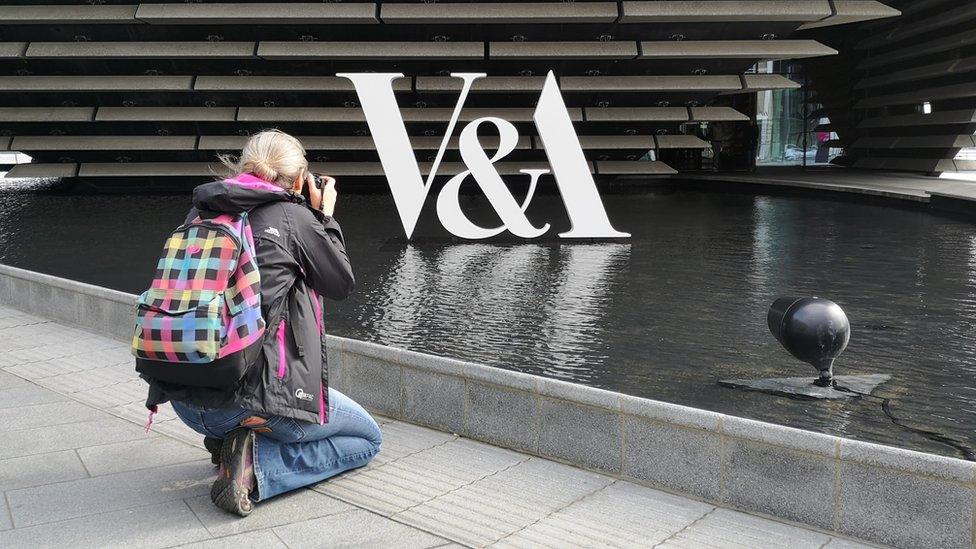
[884,494]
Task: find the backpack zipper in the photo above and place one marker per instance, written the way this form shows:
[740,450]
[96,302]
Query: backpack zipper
[282,359]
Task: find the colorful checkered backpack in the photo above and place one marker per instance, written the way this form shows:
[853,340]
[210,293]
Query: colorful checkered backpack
[200,321]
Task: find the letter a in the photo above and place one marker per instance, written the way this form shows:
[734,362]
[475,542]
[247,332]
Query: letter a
[569,167]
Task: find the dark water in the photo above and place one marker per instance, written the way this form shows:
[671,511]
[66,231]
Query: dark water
[663,315]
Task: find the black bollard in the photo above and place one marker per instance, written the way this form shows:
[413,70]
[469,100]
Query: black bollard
[813,330]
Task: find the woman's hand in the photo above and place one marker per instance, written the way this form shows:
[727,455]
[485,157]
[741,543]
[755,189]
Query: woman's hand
[322,199]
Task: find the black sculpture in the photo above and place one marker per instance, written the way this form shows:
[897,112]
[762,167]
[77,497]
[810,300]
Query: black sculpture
[813,330]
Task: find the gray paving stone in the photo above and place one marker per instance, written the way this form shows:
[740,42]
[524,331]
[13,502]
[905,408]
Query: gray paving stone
[373,383]
[50,468]
[68,500]
[44,415]
[68,436]
[120,394]
[356,528]
[420,477]
[620,515]
[731,529]
[765,478]
[10,381]
[147,526]
[904,510]
[433,399]
[401,439]
[292,507]
[840,543]
[501,416]
[261,539]
[580,434]
[686,460]
[150,452]
[5,521]
[28,395]
[491,508]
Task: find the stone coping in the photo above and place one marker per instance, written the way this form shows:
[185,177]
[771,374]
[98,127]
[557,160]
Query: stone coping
[879,493]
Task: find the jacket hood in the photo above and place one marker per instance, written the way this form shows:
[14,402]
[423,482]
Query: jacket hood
[237,194]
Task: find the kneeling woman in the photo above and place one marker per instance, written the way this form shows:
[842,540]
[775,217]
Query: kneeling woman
[282,427]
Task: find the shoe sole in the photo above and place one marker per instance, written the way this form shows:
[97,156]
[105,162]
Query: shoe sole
[225,493]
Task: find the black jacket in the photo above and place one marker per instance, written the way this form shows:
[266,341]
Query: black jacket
[301,256]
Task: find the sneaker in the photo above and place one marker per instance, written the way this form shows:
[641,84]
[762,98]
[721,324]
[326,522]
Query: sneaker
[213,446]
[235,478]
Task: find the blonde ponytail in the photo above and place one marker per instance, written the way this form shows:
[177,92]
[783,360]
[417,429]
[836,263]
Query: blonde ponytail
[272,155]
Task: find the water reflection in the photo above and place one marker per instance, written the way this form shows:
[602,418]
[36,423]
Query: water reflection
[560,294]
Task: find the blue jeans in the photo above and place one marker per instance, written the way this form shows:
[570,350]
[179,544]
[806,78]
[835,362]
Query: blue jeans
[295,453]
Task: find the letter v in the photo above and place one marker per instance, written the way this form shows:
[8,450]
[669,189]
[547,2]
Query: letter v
[375,91]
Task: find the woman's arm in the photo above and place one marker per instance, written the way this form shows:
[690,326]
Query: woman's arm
[321,252]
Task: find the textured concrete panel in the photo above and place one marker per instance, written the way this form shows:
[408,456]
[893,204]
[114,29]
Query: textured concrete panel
[149,525]
[906,460]
[498,505]
[714,114]
[620,515]
[57,502]
[615,142]
[355,528]
[12,49]
[626,83]
[636,114]
[501,416]
[499,12]
[413,479]
[686,460]
[67,15]
[374,384]
[371,50]
[141,50]
[65,169]
[285,83]
[733,530]
[490,84]
[301,114]
[683,11]
[434,400]
[261,13]
[680,142]
[640,167]
[294,506]
[562,50]
[779,482]
[95,83]
[105,142]
[169,114]
[579,434]
[853,11]
[50,468]
[904,510]
[46,114]
[127,169]
[734,49]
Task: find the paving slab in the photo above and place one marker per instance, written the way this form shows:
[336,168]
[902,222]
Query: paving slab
[67,500]
[38,470]
[132,455]
[262,539]
[146,526]
[285,509]
[355,528]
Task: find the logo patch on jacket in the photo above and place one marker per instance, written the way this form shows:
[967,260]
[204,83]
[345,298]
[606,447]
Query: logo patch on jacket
[302,395]
[272,231]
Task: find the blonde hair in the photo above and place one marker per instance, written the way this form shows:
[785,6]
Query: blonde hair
[272,155]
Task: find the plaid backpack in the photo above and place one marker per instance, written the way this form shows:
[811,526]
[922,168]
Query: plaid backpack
[200,321]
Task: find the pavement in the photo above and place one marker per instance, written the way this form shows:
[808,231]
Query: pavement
[77,470]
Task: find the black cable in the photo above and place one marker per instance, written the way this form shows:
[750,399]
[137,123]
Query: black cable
[960,446]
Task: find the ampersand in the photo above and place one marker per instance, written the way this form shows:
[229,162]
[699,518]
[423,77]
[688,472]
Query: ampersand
[482,169]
